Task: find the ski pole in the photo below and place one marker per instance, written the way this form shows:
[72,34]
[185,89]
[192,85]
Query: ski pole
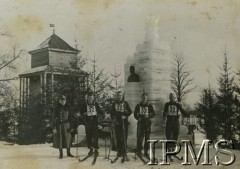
[124,138]
[137,140]
[77,143]
[111,141]
[105,138]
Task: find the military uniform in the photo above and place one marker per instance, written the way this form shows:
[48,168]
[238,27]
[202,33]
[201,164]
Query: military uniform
[61,122]
[120,110]
[143,113]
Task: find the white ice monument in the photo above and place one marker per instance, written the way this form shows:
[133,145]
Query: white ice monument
[152,63]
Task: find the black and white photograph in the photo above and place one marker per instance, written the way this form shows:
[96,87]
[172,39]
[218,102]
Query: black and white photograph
[119,84]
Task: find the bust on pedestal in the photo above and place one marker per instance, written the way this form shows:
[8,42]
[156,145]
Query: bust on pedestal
[133,77]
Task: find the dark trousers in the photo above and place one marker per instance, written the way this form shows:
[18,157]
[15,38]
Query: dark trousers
[172,129]
[143,132]
[91,129]
[121,131]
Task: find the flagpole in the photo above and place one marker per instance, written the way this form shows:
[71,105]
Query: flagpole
[52,26]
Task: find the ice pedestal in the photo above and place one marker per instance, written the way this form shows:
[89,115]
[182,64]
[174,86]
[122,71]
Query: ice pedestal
[152,63]
[133,93]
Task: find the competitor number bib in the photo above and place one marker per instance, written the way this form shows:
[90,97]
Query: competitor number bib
[119,107]
[91,110]
[172,110]
[143,110]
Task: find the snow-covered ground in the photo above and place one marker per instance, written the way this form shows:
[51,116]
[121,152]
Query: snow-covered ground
[45,157]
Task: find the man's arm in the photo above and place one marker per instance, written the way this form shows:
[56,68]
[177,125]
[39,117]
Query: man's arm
[128,110]
[136,112]
[182,110]
[165,113]
[71,120]
[165,110]
[83,109]
[54,120]
[54,117]
[112,112]
[151,111]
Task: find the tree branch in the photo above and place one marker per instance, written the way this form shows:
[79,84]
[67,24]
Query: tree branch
[13,59]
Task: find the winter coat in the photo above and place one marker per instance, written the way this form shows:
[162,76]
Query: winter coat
[61,122]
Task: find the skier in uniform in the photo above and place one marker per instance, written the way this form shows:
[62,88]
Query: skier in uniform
[61,127]
[143,113]
[90,110]
[171,119]
[119,114]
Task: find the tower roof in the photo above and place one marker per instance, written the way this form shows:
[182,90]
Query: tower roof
[55,42]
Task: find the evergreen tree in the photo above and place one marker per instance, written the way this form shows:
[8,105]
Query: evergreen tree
[209,112]
[13,118]
[237,104]
[100,82]
[227,115]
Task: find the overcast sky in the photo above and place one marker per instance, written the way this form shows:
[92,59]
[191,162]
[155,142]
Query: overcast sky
[113,28]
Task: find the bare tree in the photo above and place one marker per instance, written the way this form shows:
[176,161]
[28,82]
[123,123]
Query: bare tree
[7,72]
[8,69]
[181,80]
[7,60]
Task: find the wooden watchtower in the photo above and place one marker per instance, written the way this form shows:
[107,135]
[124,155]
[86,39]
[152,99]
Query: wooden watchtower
[52,73]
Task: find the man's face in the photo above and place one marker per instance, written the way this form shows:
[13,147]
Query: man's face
[62,101]
[132,69]
[119,96]
[90,99]
[172,97]
[144,98]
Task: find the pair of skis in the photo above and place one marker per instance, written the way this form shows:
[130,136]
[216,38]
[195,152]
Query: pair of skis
[125,158]
[141,158]
[85,158]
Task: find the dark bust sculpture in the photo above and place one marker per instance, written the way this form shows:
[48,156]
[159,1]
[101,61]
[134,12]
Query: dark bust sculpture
[133,77]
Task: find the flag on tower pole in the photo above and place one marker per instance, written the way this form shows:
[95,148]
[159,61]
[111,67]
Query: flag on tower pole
[52,26]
